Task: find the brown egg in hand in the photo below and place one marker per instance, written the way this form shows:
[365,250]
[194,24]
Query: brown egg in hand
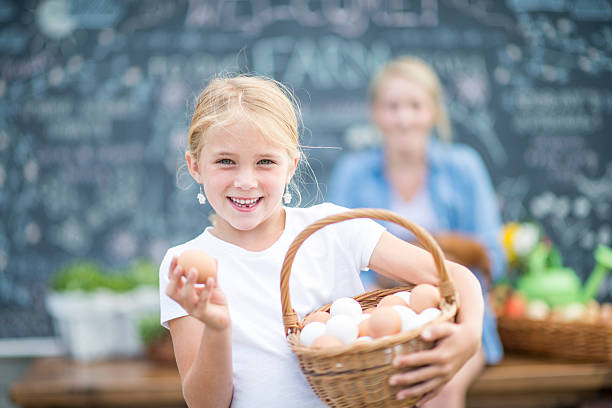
[424,296]
[201,261]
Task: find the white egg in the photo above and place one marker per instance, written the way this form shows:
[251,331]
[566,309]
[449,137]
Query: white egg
[537,309]
[364,339]
[410,319]
[429,314]
[572,311]
[311,331]
[362,317]
[345,306]
[404,310]
[404,295]
[342,327]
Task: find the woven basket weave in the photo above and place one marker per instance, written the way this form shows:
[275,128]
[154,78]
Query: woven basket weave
[571,340]
[357,375]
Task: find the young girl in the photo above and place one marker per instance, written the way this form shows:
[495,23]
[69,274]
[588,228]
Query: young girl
[228,335]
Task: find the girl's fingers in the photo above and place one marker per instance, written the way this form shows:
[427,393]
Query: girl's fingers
[205,294]
[425,357]
[175,283]
[216,269]
[438,331]
[416,376]
[173,264]
[194,298]
[211,285]
[420,389]
[188,295]
[420,358]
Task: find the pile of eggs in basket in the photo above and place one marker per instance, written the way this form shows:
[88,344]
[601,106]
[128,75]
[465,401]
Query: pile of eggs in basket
[347,323]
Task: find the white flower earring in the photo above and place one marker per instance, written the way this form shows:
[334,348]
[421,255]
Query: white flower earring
[201,197]
[287,196]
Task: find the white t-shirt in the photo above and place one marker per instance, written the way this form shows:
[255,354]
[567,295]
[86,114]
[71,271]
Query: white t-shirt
[326,267]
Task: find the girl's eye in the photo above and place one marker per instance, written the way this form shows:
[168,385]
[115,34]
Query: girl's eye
[225,162]
[266,162]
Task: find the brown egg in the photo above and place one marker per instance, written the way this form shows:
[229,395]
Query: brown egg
[392,300]
[369,310]
[424,296]
[385,321]
[326,341]
[318,316]
[201,261]
[364,328]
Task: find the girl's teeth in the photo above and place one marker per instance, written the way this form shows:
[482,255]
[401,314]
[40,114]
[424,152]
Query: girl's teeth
[244,203]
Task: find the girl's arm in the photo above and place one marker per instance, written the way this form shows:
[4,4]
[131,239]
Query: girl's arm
[202,340]
[400,260]
[204,360]
[456,342]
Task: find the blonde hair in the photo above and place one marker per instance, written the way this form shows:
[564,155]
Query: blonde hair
[417,70]
[266,104]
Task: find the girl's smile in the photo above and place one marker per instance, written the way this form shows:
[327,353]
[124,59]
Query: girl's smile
[244,204]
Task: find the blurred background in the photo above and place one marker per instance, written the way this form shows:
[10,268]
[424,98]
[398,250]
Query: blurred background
[96,98]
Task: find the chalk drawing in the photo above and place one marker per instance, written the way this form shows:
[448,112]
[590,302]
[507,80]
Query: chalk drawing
[348,19]
[512,193]
[13,40]
[325,63]
[597,189]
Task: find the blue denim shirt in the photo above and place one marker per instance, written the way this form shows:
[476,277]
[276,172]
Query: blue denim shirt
[460,191]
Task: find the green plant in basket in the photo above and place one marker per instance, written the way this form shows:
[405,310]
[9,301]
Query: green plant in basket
[550,312]
[547,279]
[541,283]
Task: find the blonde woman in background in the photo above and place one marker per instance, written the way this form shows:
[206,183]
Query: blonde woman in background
[442,186]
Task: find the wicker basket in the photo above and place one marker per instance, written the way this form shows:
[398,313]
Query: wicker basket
[570,340]
[357,375]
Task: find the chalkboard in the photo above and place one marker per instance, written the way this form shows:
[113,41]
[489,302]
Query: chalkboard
[96,97]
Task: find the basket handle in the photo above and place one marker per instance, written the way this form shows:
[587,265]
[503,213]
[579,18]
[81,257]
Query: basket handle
[446,287]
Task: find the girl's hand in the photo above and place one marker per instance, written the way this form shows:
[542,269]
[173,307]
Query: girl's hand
[206,303]
[432,369]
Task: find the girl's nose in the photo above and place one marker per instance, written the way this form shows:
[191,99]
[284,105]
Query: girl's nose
[245,179]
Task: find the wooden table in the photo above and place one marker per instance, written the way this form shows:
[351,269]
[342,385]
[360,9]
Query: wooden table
[521,382]
[61,382]
[516,382]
